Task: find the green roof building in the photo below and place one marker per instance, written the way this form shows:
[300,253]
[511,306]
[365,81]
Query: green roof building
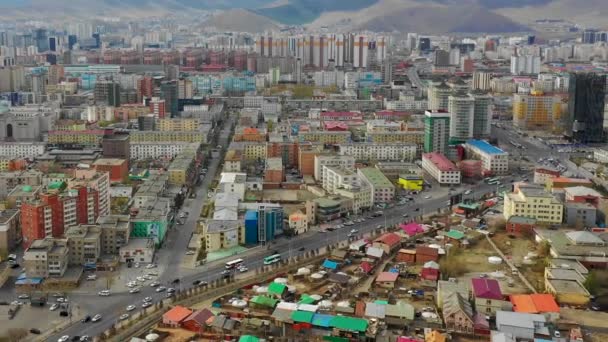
[382,188]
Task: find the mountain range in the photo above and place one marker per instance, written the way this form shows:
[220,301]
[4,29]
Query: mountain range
[432,16]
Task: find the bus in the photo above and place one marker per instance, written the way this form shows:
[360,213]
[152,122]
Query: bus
[490,180]
[233,264]
[272,259]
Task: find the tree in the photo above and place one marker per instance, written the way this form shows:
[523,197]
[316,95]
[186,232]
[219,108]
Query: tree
[543,249]
[592,283]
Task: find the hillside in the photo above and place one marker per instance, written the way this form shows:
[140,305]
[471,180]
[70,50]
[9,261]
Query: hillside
[240,20]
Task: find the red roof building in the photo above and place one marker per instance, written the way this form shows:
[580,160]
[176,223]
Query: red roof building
[486,288]
[388,242]
[197,321]
[425,254]
[430,271]
[335,126]
[406,255]
[341,116]
[176,316]
[538,303]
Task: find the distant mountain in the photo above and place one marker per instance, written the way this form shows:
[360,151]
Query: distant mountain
[382,15]
[240,20]
[297,12]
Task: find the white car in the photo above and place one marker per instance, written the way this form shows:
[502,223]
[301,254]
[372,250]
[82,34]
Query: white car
[427,197]
[104,293]
[147,277]
[243,269]
[123,317]
[96,318]
[54,307]
[161,289]
[134,290]
[140,279]
[130,307]
[61,300]
[147,299]
[154,284]
[91,277]
[146,305]
[23,296]
[149,266]
[353,231]
[190,253]
[63,338]
[468,192]
[405,215]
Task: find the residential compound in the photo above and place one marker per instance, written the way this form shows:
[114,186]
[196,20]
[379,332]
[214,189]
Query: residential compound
[534,202]
[494,161]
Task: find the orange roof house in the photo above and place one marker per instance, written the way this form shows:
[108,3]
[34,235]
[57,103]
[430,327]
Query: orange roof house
[175,316]
[538,303]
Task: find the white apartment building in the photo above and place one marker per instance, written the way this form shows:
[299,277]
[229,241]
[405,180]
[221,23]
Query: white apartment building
[494,161]
[158,150]
[343,162]
[526,65]
[253,101]
[22,149]
[382,152]
[233,182]
[441,168]
[347,183]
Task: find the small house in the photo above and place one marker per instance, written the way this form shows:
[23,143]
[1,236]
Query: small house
[406,255]
[430,271]
[387,280]
[458,314]
[388,242]
[176,315]
[197,321]
[425,254]
[488,297]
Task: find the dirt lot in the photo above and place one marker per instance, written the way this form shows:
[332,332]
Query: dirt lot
[177,335]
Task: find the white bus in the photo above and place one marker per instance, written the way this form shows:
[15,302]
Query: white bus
[233,264]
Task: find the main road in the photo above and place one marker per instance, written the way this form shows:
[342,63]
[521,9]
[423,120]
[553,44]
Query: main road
[113,306]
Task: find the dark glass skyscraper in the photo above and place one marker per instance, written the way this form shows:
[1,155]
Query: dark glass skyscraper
[585,120]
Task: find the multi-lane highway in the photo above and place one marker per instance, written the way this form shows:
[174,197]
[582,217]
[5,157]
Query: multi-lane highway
[115,305]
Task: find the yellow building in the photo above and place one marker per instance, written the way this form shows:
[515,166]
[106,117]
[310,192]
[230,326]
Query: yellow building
[534,202]
[167,136]
[568,292]
[536,111]
[83,138]
[222,234]
[181,168]
[411,182]
[325,137]
[177,124]
[70,125]
[254,151]
[4,163]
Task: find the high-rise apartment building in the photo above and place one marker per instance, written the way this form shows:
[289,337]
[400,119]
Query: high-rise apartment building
[585,120]
[462,110]
[536,111]
[360,51]
[436,131]
[438,95]
[525,65]
[482,114]
[482,80]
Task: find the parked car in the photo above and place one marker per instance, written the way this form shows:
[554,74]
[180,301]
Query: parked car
[96,318]
[134,290]
[130,307]
[123,317]
[35,331]
[86,319]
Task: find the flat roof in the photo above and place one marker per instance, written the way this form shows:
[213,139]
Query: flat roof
[376,177]
[568,286]
[485,147]
[440,161]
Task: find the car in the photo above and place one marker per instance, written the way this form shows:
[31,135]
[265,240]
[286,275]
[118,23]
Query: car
[14,266]
[91,277]
[104,293]
[23,296]
[427,197]
[86,319]
[56,294]
[85,338]
[243,269]
[148,277]
[131,284]
[140,279]
[146,305]
[63,313]
[196,282]
[35,331]
[154,284]
[60,300]
[151,274]
[405,215]
[468,192]
[190,253]
[134,290]
[147,299]
[54,307]
[175,281]
[76,338]
[149,266]
[171,290]
[354,231]
[417,209]
[96,318]
[136,265]
[301,249]
[12,257]
[130,307]
[169,294]
[63,338]
[161,289]
[123,317]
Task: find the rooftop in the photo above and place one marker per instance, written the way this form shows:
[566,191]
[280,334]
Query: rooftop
[582,191]
[486,288]
[218,226]
[109,161]
[387,277]
[485,147]
[376,177]
[568,286]
[440,161]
